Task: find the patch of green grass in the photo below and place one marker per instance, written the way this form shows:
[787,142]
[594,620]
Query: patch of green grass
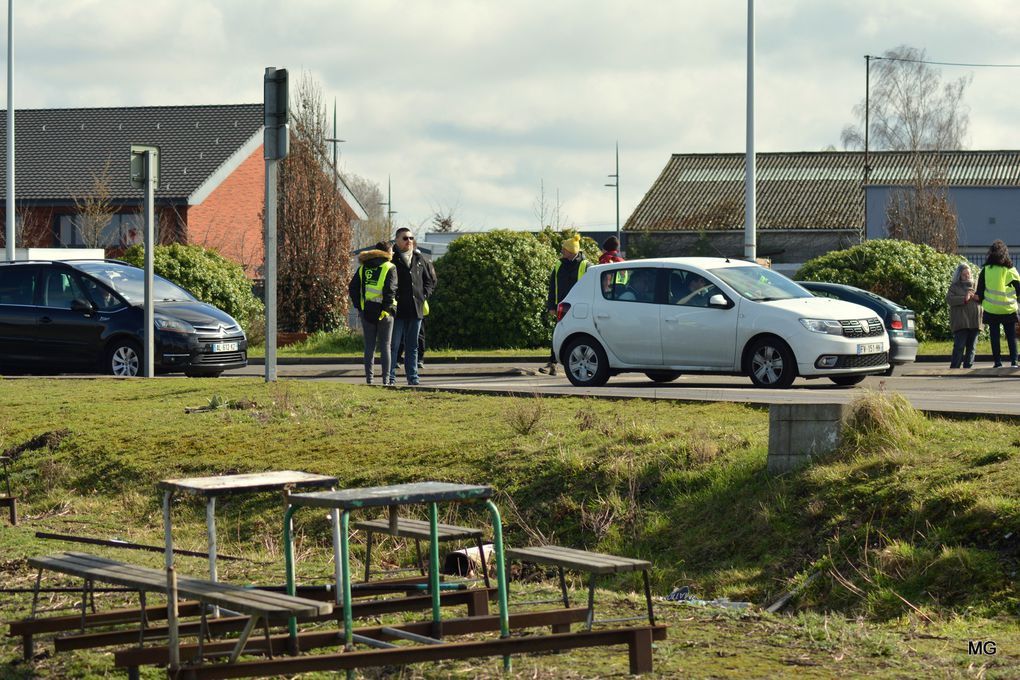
[911,517]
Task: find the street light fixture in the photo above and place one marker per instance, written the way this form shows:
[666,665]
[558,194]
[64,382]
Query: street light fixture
[616,184]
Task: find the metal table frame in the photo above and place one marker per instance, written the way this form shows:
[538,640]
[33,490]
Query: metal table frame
[429,493]
[212,488]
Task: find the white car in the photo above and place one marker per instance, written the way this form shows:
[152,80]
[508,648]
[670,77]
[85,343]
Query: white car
[663,317]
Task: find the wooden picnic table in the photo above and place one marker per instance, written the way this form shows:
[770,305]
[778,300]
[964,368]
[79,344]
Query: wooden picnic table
[392,497]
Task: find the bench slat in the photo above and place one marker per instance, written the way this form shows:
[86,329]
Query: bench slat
[416,528]
[248,600]
[581,560]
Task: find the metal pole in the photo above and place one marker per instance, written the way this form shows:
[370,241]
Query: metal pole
[10,131]
[210,527]
[270,270]
[867,124]
[149,323]
[750,237]
[618,194]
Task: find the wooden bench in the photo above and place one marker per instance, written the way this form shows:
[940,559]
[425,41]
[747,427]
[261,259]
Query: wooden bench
[590,562]
[258,605]
[418,530]
[8,500]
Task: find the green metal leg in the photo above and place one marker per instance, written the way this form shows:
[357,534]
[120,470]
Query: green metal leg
[437,623]
[345,557]
[497,540]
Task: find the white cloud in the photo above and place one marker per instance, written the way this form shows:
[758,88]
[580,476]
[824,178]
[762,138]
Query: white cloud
[474,103]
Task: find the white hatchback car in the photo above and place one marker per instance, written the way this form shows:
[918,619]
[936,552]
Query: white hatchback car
[663,317]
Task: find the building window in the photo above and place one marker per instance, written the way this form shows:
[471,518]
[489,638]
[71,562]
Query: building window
[121,231]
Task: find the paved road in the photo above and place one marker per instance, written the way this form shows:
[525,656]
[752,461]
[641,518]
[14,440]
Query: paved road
[932,387]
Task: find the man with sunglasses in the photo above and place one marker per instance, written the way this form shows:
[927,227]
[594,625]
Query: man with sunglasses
[416,279]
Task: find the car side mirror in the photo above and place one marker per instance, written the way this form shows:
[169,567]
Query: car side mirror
[79,305]
[719,300]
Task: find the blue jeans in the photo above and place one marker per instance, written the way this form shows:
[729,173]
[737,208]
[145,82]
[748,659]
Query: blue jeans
[963,347]
[406,328]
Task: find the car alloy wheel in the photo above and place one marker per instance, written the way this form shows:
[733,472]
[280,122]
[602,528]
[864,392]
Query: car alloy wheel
[586,363]
[772,364]
[125,361]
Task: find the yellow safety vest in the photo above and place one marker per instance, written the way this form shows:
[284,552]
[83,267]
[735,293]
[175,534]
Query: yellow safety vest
[581,269]
[1000,296]
[372,281]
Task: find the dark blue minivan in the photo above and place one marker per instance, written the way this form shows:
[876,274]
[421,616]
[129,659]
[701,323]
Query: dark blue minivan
[87,315]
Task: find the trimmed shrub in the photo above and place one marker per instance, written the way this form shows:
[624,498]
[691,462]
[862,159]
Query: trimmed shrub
[911,274]
[208,276]
[491,292]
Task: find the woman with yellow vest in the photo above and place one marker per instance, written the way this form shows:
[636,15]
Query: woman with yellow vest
[373,290]
[998,288]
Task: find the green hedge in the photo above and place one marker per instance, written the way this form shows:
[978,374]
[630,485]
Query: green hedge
[491,292]
[911,274]
[210,277]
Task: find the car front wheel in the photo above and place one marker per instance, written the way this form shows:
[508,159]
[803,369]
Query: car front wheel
[124,359]
[586,363]
[771,364]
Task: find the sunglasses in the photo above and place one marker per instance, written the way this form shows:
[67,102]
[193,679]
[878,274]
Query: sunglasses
[406,238]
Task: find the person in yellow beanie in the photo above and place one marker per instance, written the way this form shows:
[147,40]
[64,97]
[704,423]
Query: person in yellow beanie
[568,270]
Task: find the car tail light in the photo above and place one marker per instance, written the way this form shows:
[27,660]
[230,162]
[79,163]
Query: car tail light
[561,310]
[896,324]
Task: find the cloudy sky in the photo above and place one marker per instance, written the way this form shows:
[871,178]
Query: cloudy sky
[472,105]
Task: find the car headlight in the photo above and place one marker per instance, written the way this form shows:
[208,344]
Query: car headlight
[823,326]
[164,323]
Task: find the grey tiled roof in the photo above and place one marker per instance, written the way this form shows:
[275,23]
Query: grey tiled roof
[804,190]
[58,150]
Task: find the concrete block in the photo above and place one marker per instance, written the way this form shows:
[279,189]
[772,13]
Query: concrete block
[799,432]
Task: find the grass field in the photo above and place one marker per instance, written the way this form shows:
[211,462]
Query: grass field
[912,527]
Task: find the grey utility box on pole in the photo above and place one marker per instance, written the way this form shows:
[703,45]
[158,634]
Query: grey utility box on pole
[276,145]
[145,175]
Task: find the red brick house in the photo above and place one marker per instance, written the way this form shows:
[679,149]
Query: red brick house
[211,187]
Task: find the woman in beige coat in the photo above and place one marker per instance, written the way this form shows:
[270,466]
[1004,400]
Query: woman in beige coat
[964,316]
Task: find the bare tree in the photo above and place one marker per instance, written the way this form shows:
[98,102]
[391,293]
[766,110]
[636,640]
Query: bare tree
[95,208]
[443,219]
[369,194]
[911,108]
[548,212]
[922,213]
[314,232]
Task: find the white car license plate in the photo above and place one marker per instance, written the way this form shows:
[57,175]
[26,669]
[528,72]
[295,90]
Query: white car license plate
[869,348]
[232,347]
[910,323]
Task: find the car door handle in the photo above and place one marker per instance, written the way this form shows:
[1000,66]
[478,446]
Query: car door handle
[601,316]
[672,319]
[45,319]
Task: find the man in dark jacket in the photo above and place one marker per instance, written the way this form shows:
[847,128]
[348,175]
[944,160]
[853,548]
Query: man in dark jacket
[416,280]
[373,290]
[568,271]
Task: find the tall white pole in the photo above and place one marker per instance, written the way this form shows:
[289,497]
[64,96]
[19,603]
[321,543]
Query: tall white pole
[10,131]
[750,237]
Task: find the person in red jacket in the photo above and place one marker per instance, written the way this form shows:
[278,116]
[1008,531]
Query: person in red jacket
[611,251]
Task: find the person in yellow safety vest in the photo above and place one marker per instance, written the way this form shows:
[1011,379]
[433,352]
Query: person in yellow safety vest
[998,288]
[568,270]
[373,290]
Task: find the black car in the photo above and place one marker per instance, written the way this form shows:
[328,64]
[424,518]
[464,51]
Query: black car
[87,315]
[899,321]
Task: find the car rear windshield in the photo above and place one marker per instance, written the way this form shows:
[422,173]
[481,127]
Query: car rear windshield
[760,284]
[130,282]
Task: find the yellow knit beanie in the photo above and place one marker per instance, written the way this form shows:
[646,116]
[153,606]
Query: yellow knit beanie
[572,244]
